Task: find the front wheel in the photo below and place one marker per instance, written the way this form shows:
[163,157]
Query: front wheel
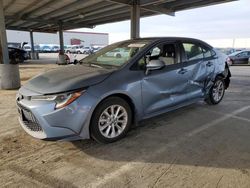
[111,120]
[216,92]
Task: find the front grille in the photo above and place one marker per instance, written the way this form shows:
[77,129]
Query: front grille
[28,119]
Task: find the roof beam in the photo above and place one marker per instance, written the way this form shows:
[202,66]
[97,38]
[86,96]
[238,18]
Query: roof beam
[18,16]
[44,5]
[106,15]
[155,9]
[183,4]
[51,22]
[84,11]
[109,11]
[9,5]
[21,12]
[35,30]
[153,2]
[122,17]
[115,18]
[78,3]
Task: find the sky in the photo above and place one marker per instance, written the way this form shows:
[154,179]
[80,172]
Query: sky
[222,25]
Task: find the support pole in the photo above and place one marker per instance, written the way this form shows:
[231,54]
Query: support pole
[62,59]
[32,54]
[61,39]
[3,38]
[135,20]
[9,73]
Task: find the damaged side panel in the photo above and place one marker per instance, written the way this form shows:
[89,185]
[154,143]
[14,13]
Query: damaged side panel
[176,84]
[163,89]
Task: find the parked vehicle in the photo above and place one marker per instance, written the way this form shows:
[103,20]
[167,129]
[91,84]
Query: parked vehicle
[239,57]
[46,49]
[85,50]
[17,55]
[37,48]
[74,49]
[55,49]
[118,53]
[66,48]
[95,49]
[27,48]
[103,97]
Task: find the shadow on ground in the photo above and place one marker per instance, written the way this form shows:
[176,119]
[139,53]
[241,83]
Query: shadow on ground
[167,137]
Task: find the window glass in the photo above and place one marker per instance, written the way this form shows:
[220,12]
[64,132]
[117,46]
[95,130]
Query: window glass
[243,54]
[193,51]
[115,55]
[207,52]
[163,52]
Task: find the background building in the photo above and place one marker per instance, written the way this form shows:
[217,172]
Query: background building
[70,38]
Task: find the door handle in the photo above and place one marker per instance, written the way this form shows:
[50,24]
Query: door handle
[182,71]
[209,64]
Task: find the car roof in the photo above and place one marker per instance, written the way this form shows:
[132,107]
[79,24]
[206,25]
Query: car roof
[170,39]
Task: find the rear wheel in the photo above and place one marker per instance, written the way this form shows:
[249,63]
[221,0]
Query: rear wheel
[111,120]
[216,92]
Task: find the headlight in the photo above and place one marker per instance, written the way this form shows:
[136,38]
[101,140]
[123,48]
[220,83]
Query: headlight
[61,100]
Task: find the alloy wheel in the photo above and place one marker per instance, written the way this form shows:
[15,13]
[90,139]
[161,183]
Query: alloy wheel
[112,121]
[218,90]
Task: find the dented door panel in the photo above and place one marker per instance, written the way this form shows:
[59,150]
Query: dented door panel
[163,88]
[200,73]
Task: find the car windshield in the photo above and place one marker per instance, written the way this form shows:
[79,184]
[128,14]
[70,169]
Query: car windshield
[115,55]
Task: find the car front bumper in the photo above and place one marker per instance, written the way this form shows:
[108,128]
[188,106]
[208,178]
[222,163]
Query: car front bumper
[41,120]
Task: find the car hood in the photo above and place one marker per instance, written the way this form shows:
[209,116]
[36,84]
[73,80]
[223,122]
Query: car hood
[67,78]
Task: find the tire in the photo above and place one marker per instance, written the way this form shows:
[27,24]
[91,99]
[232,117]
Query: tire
[108,129]
[21,59]
[216,92]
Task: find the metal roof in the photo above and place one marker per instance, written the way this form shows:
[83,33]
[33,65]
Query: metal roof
[46,15]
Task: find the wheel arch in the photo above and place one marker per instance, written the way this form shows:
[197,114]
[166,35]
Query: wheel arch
[123,96]
[226,74]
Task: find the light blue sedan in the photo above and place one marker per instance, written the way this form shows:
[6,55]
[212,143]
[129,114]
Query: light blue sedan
[103,96]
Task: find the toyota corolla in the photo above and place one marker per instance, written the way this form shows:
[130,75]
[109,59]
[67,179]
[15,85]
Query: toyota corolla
[103,96]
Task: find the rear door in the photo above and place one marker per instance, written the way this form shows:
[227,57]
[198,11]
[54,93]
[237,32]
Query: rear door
[242,58]
[199,61]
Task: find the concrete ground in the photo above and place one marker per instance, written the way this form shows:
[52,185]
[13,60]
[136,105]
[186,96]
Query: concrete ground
[196,146]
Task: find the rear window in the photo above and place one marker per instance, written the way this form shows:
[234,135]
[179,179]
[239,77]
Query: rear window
[196,51]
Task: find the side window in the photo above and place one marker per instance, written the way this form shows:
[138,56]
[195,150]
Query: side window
[193,51]
[207,52]
[163,52]
[243,54]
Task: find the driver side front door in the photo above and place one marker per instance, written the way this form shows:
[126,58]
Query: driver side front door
[165,88]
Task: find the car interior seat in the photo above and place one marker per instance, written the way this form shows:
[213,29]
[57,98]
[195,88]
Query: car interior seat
[195,51]
[168,54]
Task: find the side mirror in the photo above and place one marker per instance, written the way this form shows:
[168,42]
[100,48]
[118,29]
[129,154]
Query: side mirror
[154,65]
